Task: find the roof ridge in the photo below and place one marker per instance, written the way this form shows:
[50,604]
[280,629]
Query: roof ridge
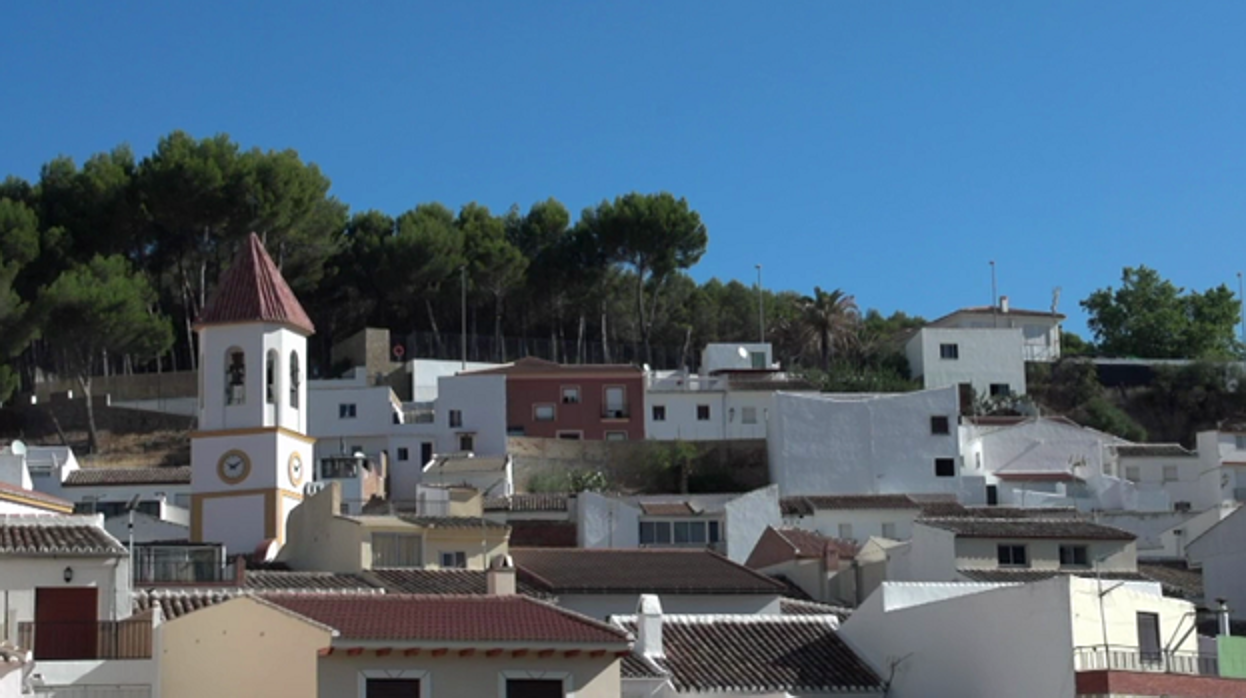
[750,618]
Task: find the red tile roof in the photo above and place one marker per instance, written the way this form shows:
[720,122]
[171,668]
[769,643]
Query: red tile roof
[38,499]
[253,290]
[90,477]
[455,619]
[806,544]
[543,534]
[50,534]
[667,509]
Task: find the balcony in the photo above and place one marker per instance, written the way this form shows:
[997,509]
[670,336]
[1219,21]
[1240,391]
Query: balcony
[87,640]
[182,572]
[1114,658]
[621,413]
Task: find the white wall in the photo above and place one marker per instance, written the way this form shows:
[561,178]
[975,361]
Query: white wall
[862,444]
[482,401]
[1221,552]
[986,356]
[600,606]
[147,529]
[1040,334]
[681,421]
[606,522]
[865,523]
[173,496]
[255,339]
[20,576]
[1119,607]
[999,641]
[747,517]
[375,407]
[717,357]
[426,375]
[931,558]
[1194,483]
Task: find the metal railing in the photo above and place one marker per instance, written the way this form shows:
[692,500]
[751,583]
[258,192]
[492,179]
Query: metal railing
[154,571]
[1121,658]
[77,640]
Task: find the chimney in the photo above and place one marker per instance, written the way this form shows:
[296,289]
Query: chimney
[649,626]
[1003,304]
[1222,615]
[500,577]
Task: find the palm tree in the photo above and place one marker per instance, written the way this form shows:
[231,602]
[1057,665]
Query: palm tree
[828,319]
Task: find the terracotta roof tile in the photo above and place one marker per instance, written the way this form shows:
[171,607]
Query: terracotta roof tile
[582,571]
[327,581]
[1175,576]
[253,290]
[759,654]
[528,502]
[1070,529]
[175,604]
[10,492]
[1153,451]
[806,505]
[91,477]
[455,582]
[807,544]
[460,619]
[1026,576]
[667,509]
[49,534]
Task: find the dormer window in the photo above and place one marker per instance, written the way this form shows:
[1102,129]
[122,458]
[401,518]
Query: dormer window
[235,377]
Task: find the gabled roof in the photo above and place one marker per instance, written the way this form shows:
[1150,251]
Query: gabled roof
[50,534]
[992,310]
[647,571]
[528,502]
[751,655]
[252,290]
[811,544]
[93,477]
[1070,529]
[1152,450]
[807,505]
[532,366]
[34,498]
[1027,576]
[450,619]
[409,580]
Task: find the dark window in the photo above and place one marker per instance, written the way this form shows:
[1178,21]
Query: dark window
[404,454]
[456,418]
[426,452]
[659,413]
[939,425]
[467,442]
[714,538]
[571,395]
[346,410]
[456,560]
[534,688]
[569,435]
[949,351]
[1012,556]
[703,413]
[1074,556]
[655,532]
[1148,637]
[393,688]
[294,380]
[992,495]
[1000,390]
[270,377]
[236,373]
[945,467]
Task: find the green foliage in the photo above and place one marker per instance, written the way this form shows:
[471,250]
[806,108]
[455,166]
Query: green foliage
[569,482]
[1101,414]
[1149,317]
[19,245]
[1072,345]
[672,462]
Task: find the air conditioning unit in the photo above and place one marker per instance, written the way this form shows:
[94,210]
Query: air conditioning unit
[313,487]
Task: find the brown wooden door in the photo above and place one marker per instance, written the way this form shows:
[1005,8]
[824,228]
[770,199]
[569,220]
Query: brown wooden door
[393,688]
[65,622]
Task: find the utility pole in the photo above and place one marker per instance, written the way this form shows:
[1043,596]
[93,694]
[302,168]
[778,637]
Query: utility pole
[463,319]
[1241,304]
[994,298]
[761,308]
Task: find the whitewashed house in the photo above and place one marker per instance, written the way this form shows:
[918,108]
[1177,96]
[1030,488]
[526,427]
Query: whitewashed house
[728,523]
[1221,553]
[66,586]
[1166,477]
[1063,637]
[1223,453]
[859,517]
[492,476]
[729,398]
[893,443]
[1040,329]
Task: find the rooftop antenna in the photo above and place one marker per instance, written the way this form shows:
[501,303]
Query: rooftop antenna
[1241,304]
[761,308]
[1055,299]
[994,298]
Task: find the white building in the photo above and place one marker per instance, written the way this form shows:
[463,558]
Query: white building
[728,523]
[894,443]
[730,398]
[1058,638]
[1221,552]
[859,517]
[988,359]
[1223,452]
[1040,330]
[1167,477]
[492,476]
[66,587]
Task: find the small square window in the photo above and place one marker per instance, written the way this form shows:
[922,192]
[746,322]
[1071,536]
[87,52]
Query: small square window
[1074,556]
[703,413]
[949,351]
[1133,473]
[1000,390]
[1170,473]
[845,531]
[404,454]
[1012,556]
[748,415]
[570,394]
[543,413]
[659,413]
[456,418]
[945,467]
[467,442]
[1239,441]
[889,530]
[939,425]
[454,560]
[346,410]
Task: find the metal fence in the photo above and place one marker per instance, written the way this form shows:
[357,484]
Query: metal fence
[1120,658]
[78,640]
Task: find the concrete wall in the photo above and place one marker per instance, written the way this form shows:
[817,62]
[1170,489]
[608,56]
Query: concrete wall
[747,517]
[1044,555]
[864,523]
[863,444]
[606,522]
[482,401]
[1117,608]
[1037,445]
[256,340]
[1221,552]
[20,576]
[986,356]
[726,356]
[318,539]
[525,392]
[600,606]
[426,375]
[147,529]
[681,422]
[375,407]
[477,676]
[1194,484]
[242,647]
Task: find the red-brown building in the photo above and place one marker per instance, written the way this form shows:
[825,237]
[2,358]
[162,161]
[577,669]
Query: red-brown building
[564,401]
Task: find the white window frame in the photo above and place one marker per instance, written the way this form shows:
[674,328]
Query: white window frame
[567,678]
[441,559]
[536,412]
[421,675]
[1174,470]
[748,415]
[562,395]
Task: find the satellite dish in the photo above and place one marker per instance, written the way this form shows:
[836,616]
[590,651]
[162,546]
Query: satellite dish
[646,367]
[742,352]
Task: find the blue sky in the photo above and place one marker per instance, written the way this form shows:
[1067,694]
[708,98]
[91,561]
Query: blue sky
[891,149]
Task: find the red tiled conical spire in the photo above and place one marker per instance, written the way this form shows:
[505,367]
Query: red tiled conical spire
[252,290]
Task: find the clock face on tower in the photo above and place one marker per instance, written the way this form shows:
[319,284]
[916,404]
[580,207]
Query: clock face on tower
[295,467]
[234,467]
